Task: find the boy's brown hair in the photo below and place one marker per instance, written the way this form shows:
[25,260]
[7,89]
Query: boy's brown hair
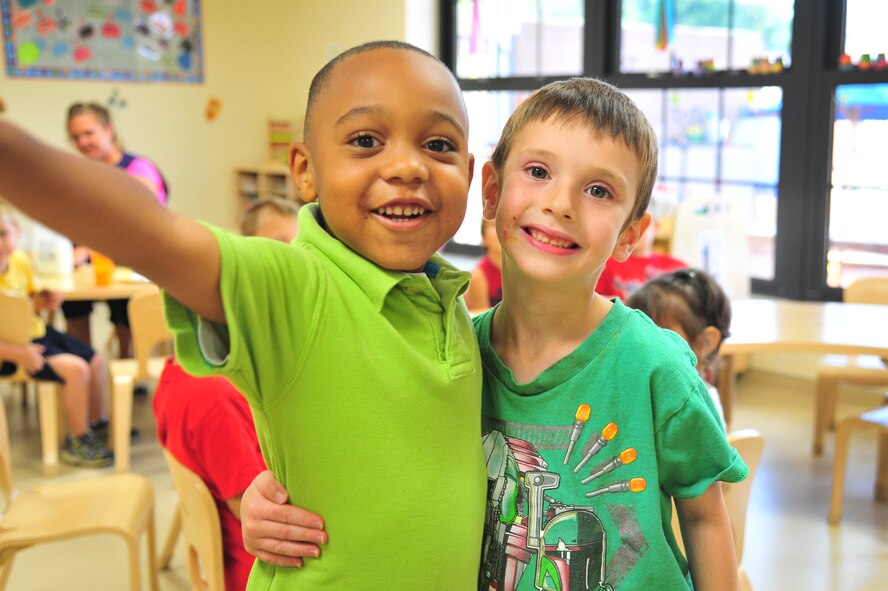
[604,109]
[250,219]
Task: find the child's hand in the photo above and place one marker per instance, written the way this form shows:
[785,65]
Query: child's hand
[47,300]
[33,360]
[274,531]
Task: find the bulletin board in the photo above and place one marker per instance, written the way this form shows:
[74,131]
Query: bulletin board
[137,40]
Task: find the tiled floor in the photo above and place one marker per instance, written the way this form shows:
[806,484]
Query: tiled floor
[788,546]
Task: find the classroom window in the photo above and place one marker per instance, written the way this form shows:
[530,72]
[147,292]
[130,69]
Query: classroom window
[682,36]
[858,200]
[503,38]
[865,23]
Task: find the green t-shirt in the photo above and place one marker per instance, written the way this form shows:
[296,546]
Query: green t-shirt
[644,395]
[365,389]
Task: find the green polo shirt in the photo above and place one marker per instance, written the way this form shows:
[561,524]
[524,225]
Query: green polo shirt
[365,388]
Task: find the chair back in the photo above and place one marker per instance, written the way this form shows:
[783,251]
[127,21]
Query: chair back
[200,521]
[710,233]
[750,444]
[16,319]
[869,290]
[149,328]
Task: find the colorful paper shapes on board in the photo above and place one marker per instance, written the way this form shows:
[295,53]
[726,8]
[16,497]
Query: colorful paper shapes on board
[62,19]
[28,53]
[110,29]
[22,19]
[179,7]
[86,31]
[147,6]
[214,105]
[181,29]
[81,54]
[184,61]
[60,49]
[26,4]
[45,24]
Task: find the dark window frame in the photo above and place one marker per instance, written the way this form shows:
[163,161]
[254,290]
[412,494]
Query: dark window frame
[809,85]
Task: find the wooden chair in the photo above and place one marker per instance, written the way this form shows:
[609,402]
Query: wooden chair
[868,370]
[873,419]
[121,504]
[203,531]
[149,330]
[16,318]
[750,444]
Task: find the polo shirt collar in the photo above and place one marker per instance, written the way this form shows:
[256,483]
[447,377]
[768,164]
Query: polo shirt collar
[375,281]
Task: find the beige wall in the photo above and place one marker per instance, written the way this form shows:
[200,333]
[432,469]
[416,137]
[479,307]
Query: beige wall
[258,61]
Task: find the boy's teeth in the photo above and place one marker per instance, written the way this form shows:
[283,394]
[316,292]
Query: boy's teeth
[399,210]
[545,239]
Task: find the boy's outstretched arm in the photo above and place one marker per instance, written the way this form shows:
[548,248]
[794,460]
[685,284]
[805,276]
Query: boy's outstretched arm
[99,205]
[273,530]
[708,540]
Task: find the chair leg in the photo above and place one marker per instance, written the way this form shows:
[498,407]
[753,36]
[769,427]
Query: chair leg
[172,536]
[824,410]
[152,552]
[121,421]
[840,465]
[882,467]
[135,576]
[6,558]
[48,403]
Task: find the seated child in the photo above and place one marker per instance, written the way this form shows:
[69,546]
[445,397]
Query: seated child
[274,218]
[621,278]
[693,304]
[352,345]
[486,286]
[593,418]
[56,356]
[206,424]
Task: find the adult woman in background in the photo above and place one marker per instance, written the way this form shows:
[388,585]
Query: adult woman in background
[92,133]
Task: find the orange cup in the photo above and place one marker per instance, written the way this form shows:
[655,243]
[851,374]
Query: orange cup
[103,267]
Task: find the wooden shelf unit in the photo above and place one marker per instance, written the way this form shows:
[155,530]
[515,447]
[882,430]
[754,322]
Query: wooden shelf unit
[260,182]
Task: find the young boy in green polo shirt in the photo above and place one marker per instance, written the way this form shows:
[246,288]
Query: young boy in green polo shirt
[357,357]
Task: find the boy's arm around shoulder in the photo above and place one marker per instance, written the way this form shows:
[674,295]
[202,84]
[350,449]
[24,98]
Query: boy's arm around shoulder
[708,539]
[99,205]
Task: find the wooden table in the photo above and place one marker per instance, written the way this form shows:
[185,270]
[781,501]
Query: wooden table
[81,285]
[763,325]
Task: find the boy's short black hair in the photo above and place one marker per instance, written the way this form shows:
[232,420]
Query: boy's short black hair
[320,80]
[598,105]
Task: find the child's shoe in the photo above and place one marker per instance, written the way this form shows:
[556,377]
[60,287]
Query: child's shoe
[86,450]
[102,429]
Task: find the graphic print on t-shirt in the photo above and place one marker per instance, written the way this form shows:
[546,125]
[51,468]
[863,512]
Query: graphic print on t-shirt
[539,532]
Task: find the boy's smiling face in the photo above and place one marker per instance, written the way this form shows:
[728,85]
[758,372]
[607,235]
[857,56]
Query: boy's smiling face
[562,201]
[387,157]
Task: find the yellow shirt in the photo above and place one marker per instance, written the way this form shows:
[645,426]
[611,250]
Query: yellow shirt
[19,277]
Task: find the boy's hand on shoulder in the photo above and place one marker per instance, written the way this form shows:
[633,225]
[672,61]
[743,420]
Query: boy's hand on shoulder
[275,531]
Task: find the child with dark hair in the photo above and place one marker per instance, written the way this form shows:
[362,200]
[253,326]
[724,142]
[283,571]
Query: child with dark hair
[691,303]
[486,286]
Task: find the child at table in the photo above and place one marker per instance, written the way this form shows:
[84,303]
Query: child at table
[274,218]
[568,373]
[55,356]
[693,304]
[486,286]
[353,346]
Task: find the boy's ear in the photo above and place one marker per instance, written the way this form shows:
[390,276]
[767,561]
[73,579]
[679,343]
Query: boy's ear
[301,172]
[708,341]
[630,237]
[489,190]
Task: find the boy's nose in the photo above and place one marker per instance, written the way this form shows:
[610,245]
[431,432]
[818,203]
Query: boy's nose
[404,164]
[558,201]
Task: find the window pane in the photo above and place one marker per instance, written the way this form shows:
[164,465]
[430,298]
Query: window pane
[751,130]
[488,112]
[691,134]
[865,23]
[703,30]
[858,244]
[503,38]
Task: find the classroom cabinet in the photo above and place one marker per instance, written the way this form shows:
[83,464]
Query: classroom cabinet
[258,182]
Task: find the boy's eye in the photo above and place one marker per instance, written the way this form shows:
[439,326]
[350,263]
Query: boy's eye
[538,172]
[440,145]
[365,141]
[598,191]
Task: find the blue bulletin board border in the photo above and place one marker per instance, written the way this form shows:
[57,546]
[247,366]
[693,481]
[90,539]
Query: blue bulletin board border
[153,42]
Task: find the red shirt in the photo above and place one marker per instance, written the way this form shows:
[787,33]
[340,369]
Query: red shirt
[621,279]
[207,425]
